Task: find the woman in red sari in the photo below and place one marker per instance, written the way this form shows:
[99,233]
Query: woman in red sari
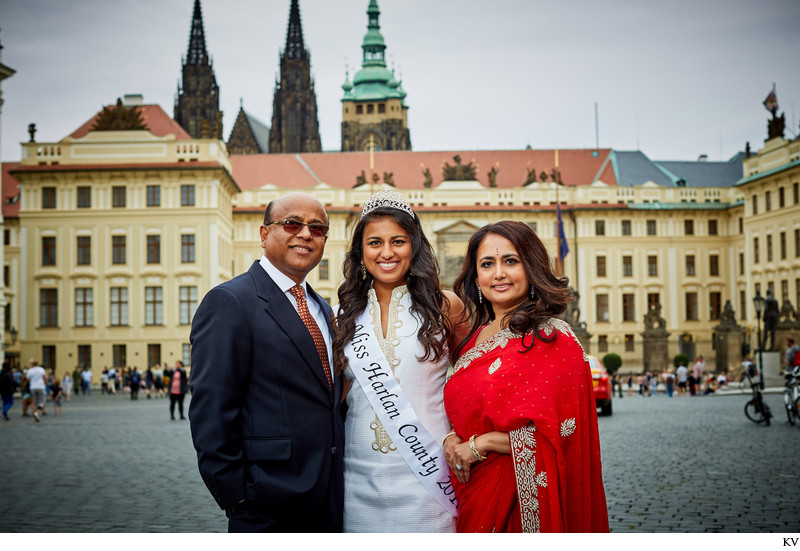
[525,450]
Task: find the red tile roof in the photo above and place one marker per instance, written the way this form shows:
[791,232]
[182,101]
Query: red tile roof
[10,195]
[157,121]
[578,167]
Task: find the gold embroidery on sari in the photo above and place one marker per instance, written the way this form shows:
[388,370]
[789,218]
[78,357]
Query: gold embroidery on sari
[495,366]
[523,449]
[568,427]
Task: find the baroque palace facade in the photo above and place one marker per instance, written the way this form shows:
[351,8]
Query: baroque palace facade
[112,237]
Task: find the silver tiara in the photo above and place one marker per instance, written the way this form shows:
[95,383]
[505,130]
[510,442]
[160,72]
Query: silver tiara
[386,198]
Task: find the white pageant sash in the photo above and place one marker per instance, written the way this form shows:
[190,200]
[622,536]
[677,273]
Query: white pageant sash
[419,449]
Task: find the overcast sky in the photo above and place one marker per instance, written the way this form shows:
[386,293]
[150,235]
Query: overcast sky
[674,79]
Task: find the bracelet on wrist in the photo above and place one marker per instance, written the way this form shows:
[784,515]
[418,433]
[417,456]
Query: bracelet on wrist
[448,435]
[474,448]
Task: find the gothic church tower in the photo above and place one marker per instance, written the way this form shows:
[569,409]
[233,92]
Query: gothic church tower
[197,100]
[295,127]
[374,112]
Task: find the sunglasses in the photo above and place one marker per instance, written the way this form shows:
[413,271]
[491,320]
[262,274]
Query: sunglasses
[295,227]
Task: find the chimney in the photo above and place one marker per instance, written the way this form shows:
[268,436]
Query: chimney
[129,100]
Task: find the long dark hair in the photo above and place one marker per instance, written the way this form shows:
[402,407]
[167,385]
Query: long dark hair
[552,294]
[427,300]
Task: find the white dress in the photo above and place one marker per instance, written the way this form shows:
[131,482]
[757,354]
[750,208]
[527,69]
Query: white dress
[381,493]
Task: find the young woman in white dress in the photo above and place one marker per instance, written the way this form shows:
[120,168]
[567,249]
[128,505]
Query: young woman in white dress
[391,290]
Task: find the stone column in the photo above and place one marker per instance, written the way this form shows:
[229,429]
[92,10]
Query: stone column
[728,339]
[656,351]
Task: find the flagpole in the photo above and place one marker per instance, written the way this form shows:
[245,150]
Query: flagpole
[559,262]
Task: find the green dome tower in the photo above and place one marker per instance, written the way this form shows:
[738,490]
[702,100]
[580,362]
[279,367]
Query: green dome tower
[373,106]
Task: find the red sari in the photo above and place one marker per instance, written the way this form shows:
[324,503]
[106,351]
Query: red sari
[552,480]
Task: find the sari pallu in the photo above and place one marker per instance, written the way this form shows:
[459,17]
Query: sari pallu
[551,481]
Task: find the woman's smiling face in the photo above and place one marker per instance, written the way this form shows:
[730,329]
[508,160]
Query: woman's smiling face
[387,251]
[501,275]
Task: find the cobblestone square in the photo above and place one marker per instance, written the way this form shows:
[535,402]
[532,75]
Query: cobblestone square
[110,464]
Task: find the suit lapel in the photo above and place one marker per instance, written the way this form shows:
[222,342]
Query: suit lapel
[286,317]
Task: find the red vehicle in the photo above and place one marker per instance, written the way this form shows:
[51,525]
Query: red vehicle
[602,386]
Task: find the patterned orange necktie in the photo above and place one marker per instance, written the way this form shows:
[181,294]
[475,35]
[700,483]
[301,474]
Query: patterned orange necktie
[302,307]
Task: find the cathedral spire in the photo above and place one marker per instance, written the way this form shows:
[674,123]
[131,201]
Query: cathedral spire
[197,100]
[197,55]
[295,49]
[295,127]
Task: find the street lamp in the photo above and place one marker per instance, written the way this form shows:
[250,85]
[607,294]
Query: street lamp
[13,335]
[758,303]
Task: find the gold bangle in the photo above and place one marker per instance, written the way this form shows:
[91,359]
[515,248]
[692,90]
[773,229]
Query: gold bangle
[474,448]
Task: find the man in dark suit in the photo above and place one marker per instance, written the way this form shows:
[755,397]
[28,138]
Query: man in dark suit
[265,414]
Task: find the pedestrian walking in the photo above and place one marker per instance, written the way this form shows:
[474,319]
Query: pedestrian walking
[135,382]
[669,382]
[682,374]
[67,383]
[36,377]
[86,381]
[56,394]
[178,387]
[7,388]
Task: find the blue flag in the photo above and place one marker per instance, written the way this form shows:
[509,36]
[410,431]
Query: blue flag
[563,247]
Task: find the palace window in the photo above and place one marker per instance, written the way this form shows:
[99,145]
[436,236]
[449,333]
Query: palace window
[690,265]
[120,355]
[601,266]
[626,227]
[651,227]
[688,227]
[48,251]
[601,302]
[153,306]
[153,354]
[118,198]
[48,197]
[627,266]
[769,248]
[599,227]
[85,355]
[712,227]
[84,246]
[715,305]
[652,265]
[48,307]
[755,250]
[713,265]
[187,195]
[187,248]
[691,306]
[118,249]
[188,304]
[84,307]
[153,249]
[119,306]
[628,313]
[153,196]
[783,245]
[84,197]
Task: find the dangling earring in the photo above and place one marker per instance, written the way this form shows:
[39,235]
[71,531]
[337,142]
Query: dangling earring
[480,295]
[363,270]
[533,294]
